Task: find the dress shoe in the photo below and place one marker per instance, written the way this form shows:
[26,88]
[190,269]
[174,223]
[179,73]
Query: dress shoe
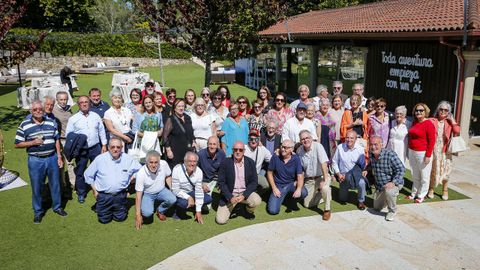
[361,206]
[37,219]
[161,216]
[249,216]
[326,215]
[60,212]
[81,199]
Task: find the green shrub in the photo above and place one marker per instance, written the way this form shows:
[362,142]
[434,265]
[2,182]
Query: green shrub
[96,44]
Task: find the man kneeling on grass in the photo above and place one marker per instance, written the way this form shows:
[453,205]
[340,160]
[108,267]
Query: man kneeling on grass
[109,175]
[150,187]
[238,181]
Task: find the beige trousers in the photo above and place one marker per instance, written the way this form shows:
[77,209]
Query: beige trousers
[224,212]
[386,198]
[315,194]
[70,166]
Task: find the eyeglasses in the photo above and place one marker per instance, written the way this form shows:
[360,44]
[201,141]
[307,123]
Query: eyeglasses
[253,139]
[115,146]
[206,95]
[217,98]
[238,149]
[257,107]
[443,110]
[306,138]
[419,111]
[337,87]
[279,100]
[380,106]
[286,147]
[37,110]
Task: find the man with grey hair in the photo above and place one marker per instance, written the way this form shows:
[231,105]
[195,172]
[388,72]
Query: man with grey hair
[39,135]
[150,185]
[317,179]
[62,113]
[349,166]
[109,176]
[322,93]
[337,87]
[388,171]
[358,89]
[285,176]
[187,186]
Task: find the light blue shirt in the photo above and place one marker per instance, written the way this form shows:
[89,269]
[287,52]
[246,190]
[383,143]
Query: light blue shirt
[90,125]
[109,175]
[345,158]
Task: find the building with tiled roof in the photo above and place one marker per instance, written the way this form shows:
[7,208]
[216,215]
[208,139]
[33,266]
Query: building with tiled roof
[416,50]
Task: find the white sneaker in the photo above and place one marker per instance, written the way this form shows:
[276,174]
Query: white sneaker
[390,216]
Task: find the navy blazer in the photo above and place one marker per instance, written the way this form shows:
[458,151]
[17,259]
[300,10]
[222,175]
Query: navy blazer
[74,144]
[276,141]
[226,179]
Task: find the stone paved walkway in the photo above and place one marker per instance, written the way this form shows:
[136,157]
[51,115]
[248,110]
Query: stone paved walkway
[440,235]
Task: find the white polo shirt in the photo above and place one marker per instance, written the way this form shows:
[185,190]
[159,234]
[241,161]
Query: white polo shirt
[152,183]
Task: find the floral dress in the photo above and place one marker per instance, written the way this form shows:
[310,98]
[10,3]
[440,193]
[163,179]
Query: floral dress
[327,120]
[257,123]
[280,117]
[441,161]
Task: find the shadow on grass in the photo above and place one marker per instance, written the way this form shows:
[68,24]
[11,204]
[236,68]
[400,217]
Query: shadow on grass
[6,89]
[11,116]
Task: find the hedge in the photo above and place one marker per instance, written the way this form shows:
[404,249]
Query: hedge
[96,44]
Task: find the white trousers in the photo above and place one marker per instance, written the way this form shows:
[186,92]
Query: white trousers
[420,173]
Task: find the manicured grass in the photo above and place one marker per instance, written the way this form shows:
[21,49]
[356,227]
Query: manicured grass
[79,241]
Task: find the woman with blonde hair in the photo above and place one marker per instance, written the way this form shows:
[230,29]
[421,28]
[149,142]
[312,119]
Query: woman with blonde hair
[422,136]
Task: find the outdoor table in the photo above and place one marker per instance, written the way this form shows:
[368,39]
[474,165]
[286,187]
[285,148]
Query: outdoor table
[25,95]
[135,78]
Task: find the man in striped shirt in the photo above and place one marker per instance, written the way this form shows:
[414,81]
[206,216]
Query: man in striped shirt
[39,135]
[187,186]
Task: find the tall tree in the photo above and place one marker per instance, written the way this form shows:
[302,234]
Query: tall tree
[71,15]
[113,16]
[212,29]
[10,13]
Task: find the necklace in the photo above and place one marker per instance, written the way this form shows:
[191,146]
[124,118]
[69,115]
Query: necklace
[122,118]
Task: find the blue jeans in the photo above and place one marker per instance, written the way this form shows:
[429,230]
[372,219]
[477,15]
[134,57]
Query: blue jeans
[182,203]
[81,162]
[345,186]
[38,169]
[166,197]
[274,202]
[111,206]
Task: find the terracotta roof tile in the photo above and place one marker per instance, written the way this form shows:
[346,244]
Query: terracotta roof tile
[382,17]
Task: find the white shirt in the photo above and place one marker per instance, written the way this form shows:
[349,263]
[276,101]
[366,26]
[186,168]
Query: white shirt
[181,186]
[152,183]
[120,120]
[263,155]
[345,158]
[202,125]
[347,103]
[219,118]
[292,128]
[312,160]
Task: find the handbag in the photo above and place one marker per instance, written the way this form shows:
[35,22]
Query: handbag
[457,144]
[135,150]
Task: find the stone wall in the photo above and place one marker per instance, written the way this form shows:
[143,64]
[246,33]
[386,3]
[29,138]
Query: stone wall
[54,64]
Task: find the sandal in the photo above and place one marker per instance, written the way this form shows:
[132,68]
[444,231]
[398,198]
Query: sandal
[430,194]
[418,200]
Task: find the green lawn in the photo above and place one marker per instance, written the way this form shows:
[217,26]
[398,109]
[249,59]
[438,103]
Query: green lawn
[79,241]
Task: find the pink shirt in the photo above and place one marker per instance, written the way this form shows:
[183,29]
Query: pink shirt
[239,186]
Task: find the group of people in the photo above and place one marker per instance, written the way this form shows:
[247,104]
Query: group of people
[194,145]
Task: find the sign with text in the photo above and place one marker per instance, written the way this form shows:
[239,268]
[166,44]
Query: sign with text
[408,73]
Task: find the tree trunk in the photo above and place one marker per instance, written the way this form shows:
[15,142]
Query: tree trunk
[208,72]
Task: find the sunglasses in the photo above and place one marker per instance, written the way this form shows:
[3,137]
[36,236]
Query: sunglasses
[419,111]
[171,96]
[205,95]
[238,149]
[337,87]
[257,107]
[217,98]
[380,106]
[253,139]
[443,110]
[242,102]
[279,100]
